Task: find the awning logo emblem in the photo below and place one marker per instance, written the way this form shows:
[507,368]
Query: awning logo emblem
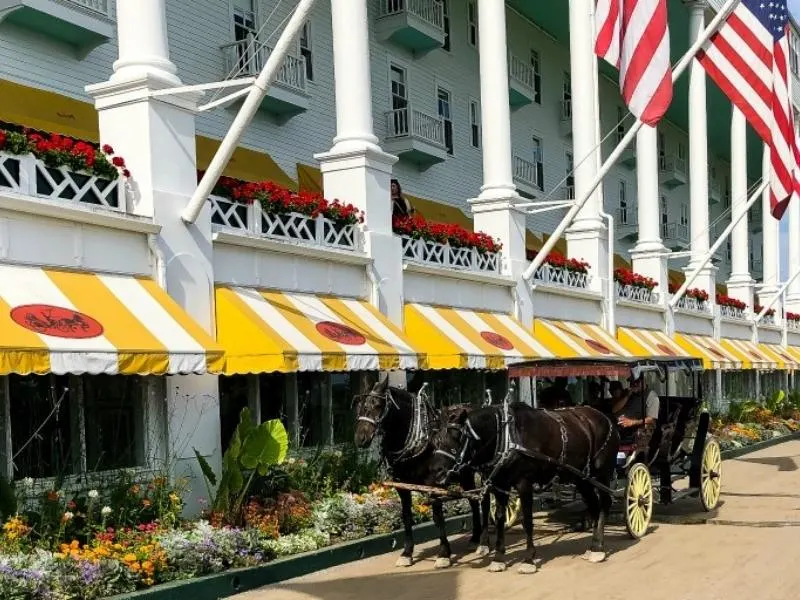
[497,340]
[56,321]
[341,334]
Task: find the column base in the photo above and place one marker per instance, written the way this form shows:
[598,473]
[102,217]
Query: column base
[706,279]
[591,245]
[649,259]
[765,295]
[500,218]
[742,287]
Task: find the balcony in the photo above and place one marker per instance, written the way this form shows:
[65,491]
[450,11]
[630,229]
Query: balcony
[565,118]
[567,191]
[526,176]
[521,89]
[446,256]
[415,137]
[82,24]
[627,223]
[675,235]
[714,192]
[287,96]
[290,227]
[416,25]
[672,171]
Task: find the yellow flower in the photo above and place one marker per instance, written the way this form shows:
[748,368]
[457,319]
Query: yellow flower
[174,498]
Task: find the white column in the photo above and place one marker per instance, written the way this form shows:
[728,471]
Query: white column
[494,209]
[793,292]
[355,168]
[586,237]
[769,256]
[156,136]
[740,284]
[648,253]
[698,154]
[142,42]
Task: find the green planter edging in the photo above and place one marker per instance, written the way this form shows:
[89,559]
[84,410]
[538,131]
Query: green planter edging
[737,452]
[222,585]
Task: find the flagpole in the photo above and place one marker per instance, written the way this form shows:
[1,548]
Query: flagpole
[680,67]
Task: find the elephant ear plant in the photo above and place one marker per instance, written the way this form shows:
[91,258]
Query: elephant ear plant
[252,451]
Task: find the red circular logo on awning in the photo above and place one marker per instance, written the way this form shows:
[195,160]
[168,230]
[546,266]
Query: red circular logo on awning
[666,350]
[601,348]
[56,321]
[497,340]
[341,334]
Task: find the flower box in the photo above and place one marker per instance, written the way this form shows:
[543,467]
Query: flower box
[733,303]
[731,312]
[444,255]
[769,316]
[547,274]
[61,168]
[793,321]
[634,287]
[270,210]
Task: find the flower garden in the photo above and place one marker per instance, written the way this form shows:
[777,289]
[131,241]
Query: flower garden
[748,422]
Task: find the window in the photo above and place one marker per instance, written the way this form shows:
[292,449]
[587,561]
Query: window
[726,192]
[570,178]
[475,123]
[399,91]
[662,151]
[566,96]
[620,124]
[684,214]
[538,160]
[65,425]
[445,113]
[681,151]
[472,23]
[728,251]
[305,50]
[244,31]
[446,24]
[537,76]
[623,203]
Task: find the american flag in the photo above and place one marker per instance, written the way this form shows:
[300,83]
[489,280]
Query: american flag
[633,36]
[748,58]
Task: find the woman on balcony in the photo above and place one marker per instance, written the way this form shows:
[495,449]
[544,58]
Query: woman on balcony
[400,206]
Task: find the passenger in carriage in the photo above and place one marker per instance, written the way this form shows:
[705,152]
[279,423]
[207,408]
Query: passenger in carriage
[636,406]
[556,396]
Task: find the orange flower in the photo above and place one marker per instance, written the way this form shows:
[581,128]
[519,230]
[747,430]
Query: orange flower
[146,502]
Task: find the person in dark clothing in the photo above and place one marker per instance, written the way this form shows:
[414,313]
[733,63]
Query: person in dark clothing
[400,206]
[555,396]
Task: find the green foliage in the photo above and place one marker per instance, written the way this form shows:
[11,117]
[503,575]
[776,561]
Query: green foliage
[253,450]
[776,402]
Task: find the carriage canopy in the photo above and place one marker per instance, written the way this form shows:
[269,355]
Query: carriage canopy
[604,367]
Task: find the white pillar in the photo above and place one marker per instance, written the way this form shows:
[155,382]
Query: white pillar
[740,284]
[648,253]
[769,256]
[793,292]
[586,237]
[494,209]
[356,169]
[156,136]
[698,154]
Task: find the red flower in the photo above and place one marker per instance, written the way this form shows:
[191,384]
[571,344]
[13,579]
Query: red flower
[126,173]
[697,294]
[627,277]
[2,139]
[724,300]
[758,308]
[107,149]
[118,162]
[792,316]
[456,236]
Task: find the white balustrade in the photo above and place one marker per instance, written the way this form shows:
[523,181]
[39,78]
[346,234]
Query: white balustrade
[520,71]
[793,324]
[27,175]
[291,227]
[430,11]
[247,57]
[449,257]
[99,6]
[636,293]
[561,277]
[732,312]
[526,172]
[691,304]
[407,122]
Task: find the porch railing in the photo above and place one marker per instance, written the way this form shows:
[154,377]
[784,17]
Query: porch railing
[408,122]
[520,71]
[560,277]
[450,257]
[430,11]
[635,293]
[247,57]
[526,171]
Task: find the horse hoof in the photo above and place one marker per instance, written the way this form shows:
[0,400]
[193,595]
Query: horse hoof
[596,557]
[442,563]
[482,551]
[527,569]
[404,561]
[497,567]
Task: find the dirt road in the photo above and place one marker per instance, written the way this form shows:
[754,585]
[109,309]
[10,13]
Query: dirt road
[749,549]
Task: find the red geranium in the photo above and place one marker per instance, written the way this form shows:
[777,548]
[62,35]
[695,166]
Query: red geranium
[556,260]
[456,236]
[697,294]
[758,308]
[723,300]
[628,277]
[790,316]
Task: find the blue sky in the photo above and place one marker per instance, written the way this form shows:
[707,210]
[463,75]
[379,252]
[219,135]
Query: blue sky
[794,8]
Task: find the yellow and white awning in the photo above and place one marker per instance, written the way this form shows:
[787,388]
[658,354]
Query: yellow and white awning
[54,321]
[648,342]
[794,353]
[713,353]
[751,354]
[455,338]
[781,355]
[267,331]
[568,339]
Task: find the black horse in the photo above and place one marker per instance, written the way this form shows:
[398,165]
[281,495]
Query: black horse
[408,425]
[523,447]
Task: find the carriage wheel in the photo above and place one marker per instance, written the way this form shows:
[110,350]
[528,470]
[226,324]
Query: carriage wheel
[638,500]
[513,510]
[710,475]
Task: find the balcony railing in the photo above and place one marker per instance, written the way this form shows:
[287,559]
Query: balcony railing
[566,110]
[560,277]
[520,71]
[102,7]
[714,191]
[246,58]
[767,320]
[430,11]
[29,176]
[793,324]
[635,293]
[627,215]
[450,257]
[526,172]
[675,232]
[732,312]
[289,227]
[407,122]
[690,304]
[569,192]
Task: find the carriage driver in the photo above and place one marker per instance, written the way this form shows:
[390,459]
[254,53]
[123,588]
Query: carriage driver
[628,406]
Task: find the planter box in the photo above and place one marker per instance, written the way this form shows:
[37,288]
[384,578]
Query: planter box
[731,312]
[449,257]
[693,305]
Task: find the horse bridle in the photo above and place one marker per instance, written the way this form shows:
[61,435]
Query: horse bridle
[389,401]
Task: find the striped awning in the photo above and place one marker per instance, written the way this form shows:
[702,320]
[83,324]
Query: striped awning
[713,353]
[648,342]
[785,359]
[54,321]
[455,338]
[751,354]
[794,353]
[267,331]
[569,339]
